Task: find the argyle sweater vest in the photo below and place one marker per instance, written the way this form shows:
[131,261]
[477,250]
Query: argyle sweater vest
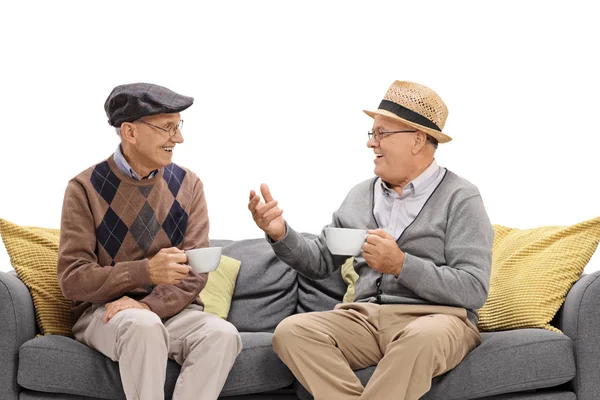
[112,225]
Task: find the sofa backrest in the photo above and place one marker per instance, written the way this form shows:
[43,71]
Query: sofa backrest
[266,290]
[320,295]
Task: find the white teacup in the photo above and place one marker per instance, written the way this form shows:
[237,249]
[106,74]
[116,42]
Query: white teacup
[204,260]
[344,241]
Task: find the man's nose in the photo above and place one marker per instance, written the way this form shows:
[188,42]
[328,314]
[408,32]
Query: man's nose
[372,142]
[177,137]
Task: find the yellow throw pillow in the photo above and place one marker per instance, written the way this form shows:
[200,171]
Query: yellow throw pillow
[349,276]
[218,291]
[33,253]
[532,271]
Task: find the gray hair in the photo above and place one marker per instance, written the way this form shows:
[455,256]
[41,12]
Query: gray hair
[118,130]
[433,141]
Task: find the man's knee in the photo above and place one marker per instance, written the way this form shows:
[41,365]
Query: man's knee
[218,333]
[143,325]
[290,329]
[228,336]
[433,332]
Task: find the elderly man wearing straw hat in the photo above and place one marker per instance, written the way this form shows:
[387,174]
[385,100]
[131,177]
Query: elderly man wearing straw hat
[126,222]
[423,271]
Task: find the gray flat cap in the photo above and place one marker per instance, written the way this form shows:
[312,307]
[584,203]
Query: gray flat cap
[128,103]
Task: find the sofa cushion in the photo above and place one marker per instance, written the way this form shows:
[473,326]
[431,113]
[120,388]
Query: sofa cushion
[505,362]
[266,290]
[59,364]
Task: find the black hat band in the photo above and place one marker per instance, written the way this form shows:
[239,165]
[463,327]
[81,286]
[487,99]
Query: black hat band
[407,114]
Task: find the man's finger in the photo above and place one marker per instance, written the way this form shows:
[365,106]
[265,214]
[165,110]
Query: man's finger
[374,239]
[253,204]
[266,192]
[252,194]
[271,215]
[181,269]
[266,207]
[107,314]
[179,258]
[173,250]
[112,313]
[368,248]
[381,233]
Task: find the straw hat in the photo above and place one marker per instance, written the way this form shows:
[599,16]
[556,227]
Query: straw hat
[415,105]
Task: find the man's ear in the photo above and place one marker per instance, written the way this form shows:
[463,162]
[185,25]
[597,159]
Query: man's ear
[128,132]
[419,142]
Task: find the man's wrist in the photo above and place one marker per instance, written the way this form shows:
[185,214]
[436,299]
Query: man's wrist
[400,264]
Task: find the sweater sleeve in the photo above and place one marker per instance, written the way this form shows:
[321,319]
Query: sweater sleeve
[464,281]
[168,300]
[80,276]
[310,257]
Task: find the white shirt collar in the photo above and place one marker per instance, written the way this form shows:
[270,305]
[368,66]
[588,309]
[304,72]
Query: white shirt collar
[416,185]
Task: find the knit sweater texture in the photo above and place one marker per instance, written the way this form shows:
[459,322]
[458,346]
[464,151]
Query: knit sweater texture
[112,225]
[448,249]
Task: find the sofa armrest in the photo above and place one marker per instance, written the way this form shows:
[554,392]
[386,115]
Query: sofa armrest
[579,318]
[17,326]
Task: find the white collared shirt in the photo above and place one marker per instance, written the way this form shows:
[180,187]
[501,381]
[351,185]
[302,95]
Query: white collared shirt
[394,213]
[126,168]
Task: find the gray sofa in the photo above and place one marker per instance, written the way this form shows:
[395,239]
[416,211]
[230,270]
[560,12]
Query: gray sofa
[522,364]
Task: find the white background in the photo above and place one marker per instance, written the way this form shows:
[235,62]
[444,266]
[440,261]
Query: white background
[279,89]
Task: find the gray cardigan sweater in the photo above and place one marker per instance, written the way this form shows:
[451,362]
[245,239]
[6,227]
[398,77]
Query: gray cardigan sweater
[448,249]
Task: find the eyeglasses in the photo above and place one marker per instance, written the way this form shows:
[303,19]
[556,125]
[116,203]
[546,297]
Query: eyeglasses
[380,134]
[170,131]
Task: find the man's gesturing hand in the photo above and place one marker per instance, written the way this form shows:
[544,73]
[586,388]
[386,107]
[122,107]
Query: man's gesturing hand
[167,267]
[382,253]
[123,303]
[267,215]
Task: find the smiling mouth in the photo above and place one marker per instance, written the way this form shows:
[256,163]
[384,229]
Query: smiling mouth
[168,149]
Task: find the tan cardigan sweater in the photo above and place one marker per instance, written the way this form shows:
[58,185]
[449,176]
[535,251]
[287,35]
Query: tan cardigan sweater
[112,224]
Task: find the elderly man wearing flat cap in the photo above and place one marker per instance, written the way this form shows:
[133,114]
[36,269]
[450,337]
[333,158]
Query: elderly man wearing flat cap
[125,225]
[423,270]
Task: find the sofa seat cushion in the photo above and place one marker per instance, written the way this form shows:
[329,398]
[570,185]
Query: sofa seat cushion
[505,362]
[59,364]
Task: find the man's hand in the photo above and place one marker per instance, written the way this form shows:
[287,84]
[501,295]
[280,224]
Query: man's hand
[122,304]
[167,267]
[267,215]
[382,253]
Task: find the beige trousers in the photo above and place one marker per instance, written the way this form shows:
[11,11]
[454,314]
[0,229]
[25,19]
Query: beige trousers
[410,344]
[203,344]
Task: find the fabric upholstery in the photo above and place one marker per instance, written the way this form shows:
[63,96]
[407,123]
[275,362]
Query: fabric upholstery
[33,253]
[532,271]
[16,327]
[579,319]
[266,290]
[62,365]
